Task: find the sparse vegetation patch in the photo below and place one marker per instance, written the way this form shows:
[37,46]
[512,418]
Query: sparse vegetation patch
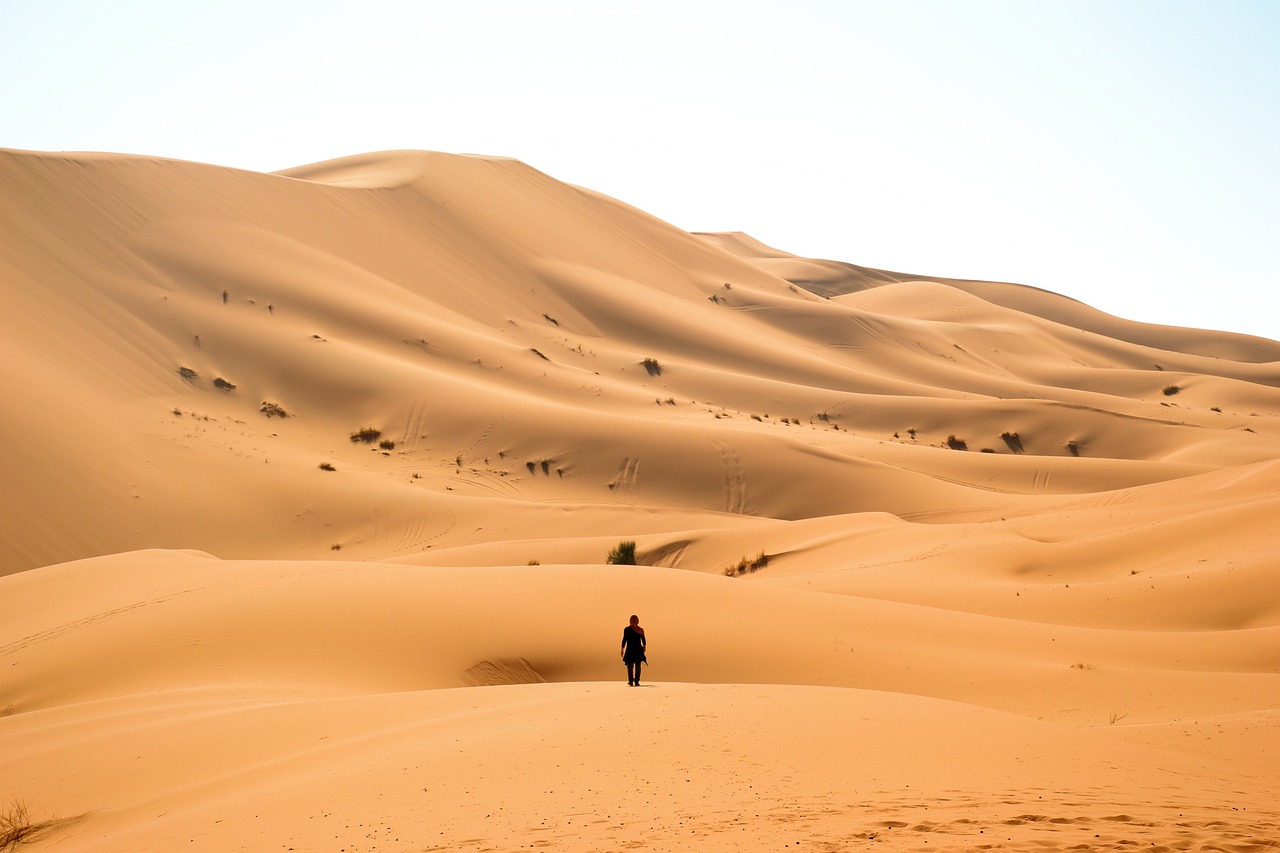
[188,374]
[223,384]
[1012,440]
[1170,390]
[956,443]
[652,367]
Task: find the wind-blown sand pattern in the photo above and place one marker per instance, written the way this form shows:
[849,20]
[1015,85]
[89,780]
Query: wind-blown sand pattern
[311,477]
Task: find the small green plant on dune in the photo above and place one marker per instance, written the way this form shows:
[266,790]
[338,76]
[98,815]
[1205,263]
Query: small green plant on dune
[622,554]
[366,435]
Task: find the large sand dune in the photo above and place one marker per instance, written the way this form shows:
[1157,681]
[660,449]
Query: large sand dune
[925,563]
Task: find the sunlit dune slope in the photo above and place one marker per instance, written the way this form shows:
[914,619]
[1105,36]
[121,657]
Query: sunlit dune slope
[520,343]
[311,479]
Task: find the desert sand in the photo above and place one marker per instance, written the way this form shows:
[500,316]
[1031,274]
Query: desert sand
[311,479]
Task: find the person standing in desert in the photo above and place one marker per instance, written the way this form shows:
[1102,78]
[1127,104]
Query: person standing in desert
[632,651]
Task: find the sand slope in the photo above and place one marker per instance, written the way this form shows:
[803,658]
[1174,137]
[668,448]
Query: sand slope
[925,562]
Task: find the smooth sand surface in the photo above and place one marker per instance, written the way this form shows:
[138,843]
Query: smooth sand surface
[312,477]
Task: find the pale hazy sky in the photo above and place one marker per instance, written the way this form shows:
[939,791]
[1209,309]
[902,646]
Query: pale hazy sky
[1126,154]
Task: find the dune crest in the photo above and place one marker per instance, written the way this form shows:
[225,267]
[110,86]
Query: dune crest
[314,475]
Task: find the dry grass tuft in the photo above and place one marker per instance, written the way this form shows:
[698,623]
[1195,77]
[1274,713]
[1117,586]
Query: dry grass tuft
[366,435]
[16,825]
[745,566]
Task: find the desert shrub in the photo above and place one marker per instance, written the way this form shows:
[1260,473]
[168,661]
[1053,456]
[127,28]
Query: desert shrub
[366,435]
[987,450]
[622,554]
[387,444]
[1170,390]
[1216,409]
[273,410]
[956,443]
[652,367]
[1012,440]
[187,373]
[223,384]
[327,466]
[1073,447]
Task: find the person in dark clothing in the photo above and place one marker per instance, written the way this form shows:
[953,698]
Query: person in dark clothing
[633,644]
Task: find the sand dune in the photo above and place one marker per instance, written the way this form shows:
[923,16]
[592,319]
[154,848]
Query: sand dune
[313,475]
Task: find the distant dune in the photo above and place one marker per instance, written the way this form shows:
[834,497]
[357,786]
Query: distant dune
[311,479]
